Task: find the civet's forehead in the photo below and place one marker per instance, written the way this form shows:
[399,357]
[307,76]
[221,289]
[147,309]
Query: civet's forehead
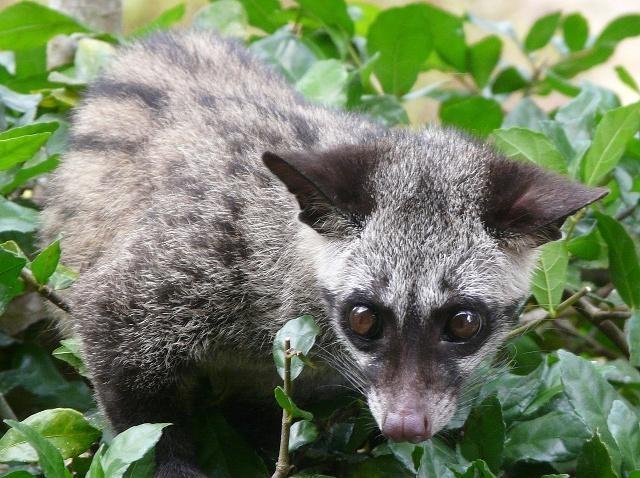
[425,242]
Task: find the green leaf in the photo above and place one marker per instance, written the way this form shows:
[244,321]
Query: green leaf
[384,108]
[286,403]
[66,429]
[557,436]
[13,178]
[582,60]
[508,80]
[484,433]
[477,469]
[16,149]
[620,28]
[325,83]
[575,30]
[144,467]
[49,457]
[62,278]
[633,338]
[162,22]
[541,32]
[483,58]
[624,426]
[623,259]
[613,133]
[550,276]
[447,32]
[474,114]
[91,57]
[588,246]
[331,13]
[435,458]
[95,469]
[379,467]
[302,433]
[526,145]
[286,53]
[45,263]
[526,114]
[129,446]
[264,14]
[12,262]
[302,332]
[594,460]
[26,25]
[227,17]
[14,217]
[399,34]
[626,78]
[590,395]
[71,353]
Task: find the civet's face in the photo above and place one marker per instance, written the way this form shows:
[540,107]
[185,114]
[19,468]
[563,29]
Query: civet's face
[423,246]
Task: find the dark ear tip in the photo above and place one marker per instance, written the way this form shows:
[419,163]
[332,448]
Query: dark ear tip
[269,158]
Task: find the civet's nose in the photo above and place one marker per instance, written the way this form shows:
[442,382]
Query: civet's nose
[406,425]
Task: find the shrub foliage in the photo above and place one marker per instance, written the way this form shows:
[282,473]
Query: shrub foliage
[567,402]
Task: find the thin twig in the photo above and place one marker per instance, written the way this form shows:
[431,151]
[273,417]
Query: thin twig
[45,291]
[283,466]
[608,328]
[625,213]
[532,324]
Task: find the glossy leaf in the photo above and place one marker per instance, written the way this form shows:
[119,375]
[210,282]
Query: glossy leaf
[384,108]
[508,80]
[626,78]
[541,32]
[302,433]
[447,32]
[594,460]
[474,114]
[49,457]
[575,30]
[286,403]
[625,427]
[325,83]
[286,53]
[71,353]
[549,279]
[613,133]
[620,28]
[623,259]
[399,34]
[14,217]
[483,58]
[45,263]
[484,434]
[27,25]
[62,278]
[264,14]
[332,13]
[477,469]
[129,446]
[554,437]
[64,428]
[527,145]
[302,332]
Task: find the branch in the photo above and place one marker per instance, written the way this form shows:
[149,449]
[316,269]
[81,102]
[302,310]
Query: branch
[568,328]
[283,466]
[547,316]
[608,328]
[46,292]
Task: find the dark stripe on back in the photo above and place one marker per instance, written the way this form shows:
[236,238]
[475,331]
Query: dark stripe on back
[88,142]
[151,96]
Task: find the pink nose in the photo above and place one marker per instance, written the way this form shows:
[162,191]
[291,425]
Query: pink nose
[406,425]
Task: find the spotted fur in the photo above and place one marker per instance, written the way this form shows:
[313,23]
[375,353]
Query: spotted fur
[206,203]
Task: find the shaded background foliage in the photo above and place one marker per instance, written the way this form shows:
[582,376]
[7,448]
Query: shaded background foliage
[566,399]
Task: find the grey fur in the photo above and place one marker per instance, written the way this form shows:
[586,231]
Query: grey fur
[190,249]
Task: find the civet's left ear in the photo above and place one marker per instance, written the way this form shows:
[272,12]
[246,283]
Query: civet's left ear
[527,202]
[328,185]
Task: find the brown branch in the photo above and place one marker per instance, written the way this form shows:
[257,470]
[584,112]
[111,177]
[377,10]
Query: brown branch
[608,328]
[283,466]
[568,328]
[45,291]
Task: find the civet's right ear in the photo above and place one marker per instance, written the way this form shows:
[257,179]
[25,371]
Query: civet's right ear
[527,202]
[326,184]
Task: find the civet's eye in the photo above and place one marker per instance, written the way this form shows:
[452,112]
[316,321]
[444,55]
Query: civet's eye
[363,321]
[463,326]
